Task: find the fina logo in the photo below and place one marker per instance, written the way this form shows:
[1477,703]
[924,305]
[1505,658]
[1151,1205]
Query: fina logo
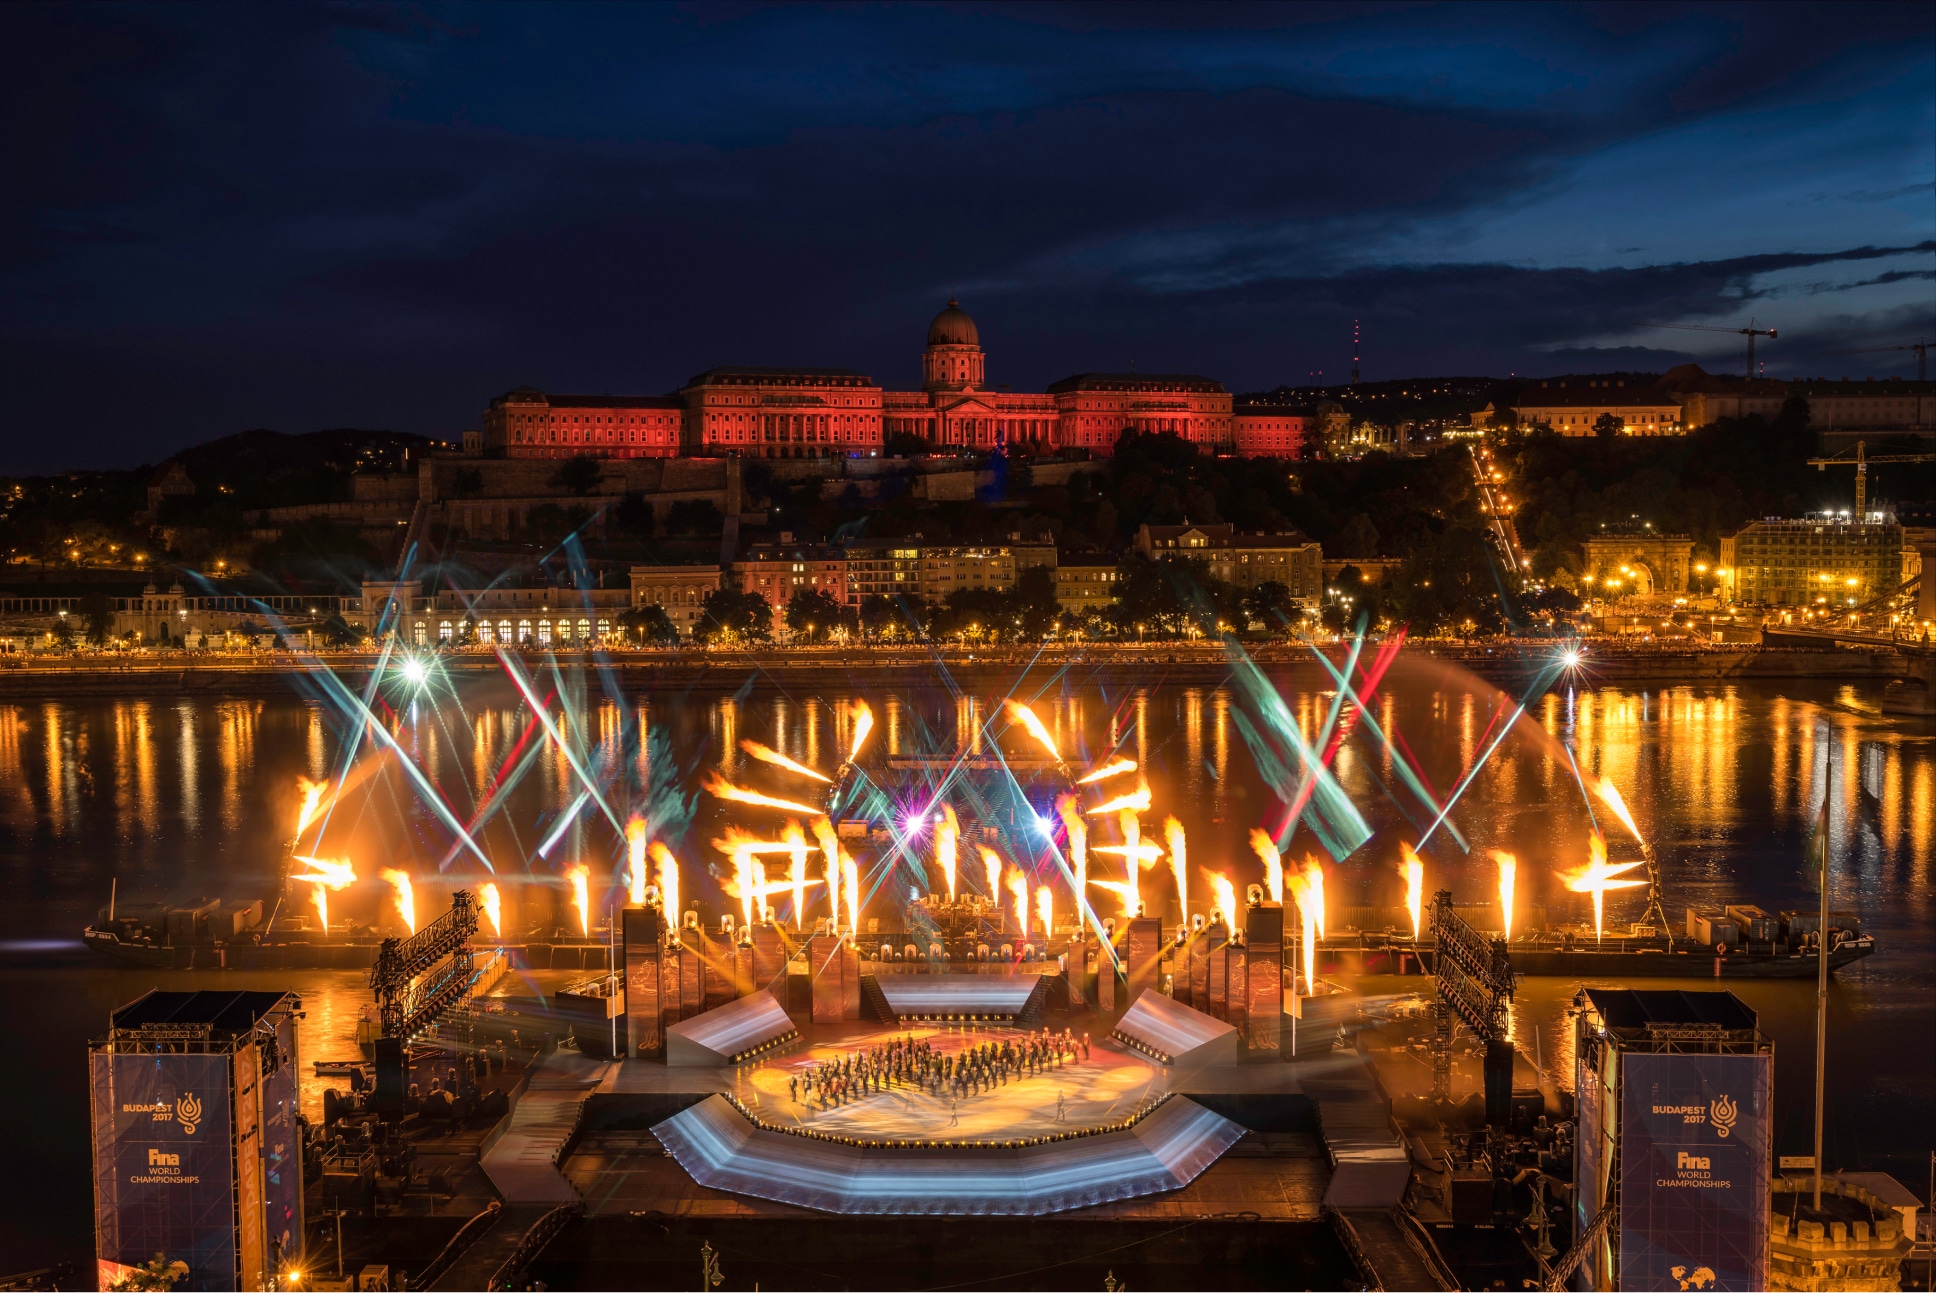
[188,1112]
[1722,1113]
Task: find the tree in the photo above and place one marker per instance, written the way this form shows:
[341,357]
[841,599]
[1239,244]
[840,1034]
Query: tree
[1036,608]
[731,615]
[811,614]
[97,617]
[652,624]
[157,1274]
[1358,539]
[878,614]
[1608,425]
[1271,604]
[700,516]
[579,475]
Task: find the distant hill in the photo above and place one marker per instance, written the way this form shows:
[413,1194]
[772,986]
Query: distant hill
[1425,399]
[246,454]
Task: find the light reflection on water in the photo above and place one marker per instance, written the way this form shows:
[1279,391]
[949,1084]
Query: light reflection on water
[183,798]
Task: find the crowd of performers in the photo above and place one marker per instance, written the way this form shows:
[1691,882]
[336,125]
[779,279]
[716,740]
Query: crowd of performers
[909,1062]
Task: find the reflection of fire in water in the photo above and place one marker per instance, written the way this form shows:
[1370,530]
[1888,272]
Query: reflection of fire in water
[635,859]
[1022,714]
[1114,768]
[1508,872]
[1225,896]
[326,874]
[406,897]
[766,754]
[493,905]
[668,879]
[947,837]
[1596,877]
[1273,861]
[1414,889]
[580,879]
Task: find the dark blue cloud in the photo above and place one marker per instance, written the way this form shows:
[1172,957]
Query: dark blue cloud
[381,215]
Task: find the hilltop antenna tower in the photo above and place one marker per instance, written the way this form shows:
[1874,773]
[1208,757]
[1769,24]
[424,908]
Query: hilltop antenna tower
[1354,352]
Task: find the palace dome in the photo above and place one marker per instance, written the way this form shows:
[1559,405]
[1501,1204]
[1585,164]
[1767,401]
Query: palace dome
[953,327]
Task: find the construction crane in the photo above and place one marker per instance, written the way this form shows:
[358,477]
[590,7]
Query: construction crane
[1750,332]
[1920,346]
[1862,461]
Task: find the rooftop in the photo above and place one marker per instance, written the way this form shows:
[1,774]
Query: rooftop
[1137,382]
[1636,1008]
[220,1012]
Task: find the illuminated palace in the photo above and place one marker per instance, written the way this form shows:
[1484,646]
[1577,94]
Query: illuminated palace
[836,412]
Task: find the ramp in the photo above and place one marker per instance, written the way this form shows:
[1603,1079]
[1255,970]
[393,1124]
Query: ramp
[1170,1032]
[729,1034]
[523,1160]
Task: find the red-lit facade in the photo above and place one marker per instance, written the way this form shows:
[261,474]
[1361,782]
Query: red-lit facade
[836,412]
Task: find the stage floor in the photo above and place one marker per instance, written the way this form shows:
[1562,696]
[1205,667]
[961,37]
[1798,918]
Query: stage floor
[1112,1084]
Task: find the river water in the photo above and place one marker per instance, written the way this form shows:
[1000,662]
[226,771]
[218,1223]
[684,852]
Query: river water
[175,799]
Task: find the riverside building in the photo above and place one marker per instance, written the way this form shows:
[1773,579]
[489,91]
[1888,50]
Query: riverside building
[1826,558]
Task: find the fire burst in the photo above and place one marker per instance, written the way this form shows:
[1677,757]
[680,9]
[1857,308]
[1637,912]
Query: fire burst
[1020,713]
[1273,862]
[312,802]
[823,834]
[850,881]
[1414,890]
[1045,910]
[1018,890]
[719,787]
[580,879]
[487,897]
[1307,918]
[1179,866]
[1108,770]
[1078,849]
[767,754]
[947,839]
[991,862]
[1137,802]
[1508,872]
[1226,896]
[1596,877]
[1610,796]
[668,880]
[635,859]
[1314,886]
[326,874]
[406,897]
[863,724]
[797,872]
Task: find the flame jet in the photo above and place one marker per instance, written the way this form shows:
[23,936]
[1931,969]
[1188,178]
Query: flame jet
[767,754]
[326,874]
[991,862]
[947,842]
[1314,885]
[579,877]
[720,788]
[1226,896]
[493,905]
[668,881]
[1078,830]
[1020,713]
[823,834]
[1414,889]
[1112,769]
[1273,862]
[850,881]
[1137,802]
[406,897]
[863,726]
[1508,873]
[311,806]
[1018,889]
[1179,866]
[1307,922]
[1596,877]
[1045,910]
[797,872]
[635,859]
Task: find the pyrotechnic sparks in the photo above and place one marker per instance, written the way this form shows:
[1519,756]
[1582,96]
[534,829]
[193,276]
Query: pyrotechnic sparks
[635,859]
[1018,890]
[947,838]
[1314,886]
[406,897]
[719,787]
[1414,889]
[797,872]
[1226,896]
[1112,769]
[1596,877]
[1179,866]
[991,862]
[1022,714]
[850,882]
[863,725]
[580,879]
[767,754]
[1307,922]
[1508,872]
[1138,802]
[1273,864]
[823,834]
[1609,795]
[1045,909]
[1078,849]
[326,874]
[493,905]
[668,880]
[311,806]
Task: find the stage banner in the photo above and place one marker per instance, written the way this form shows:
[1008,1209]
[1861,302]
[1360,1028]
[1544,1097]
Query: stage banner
[645,992]
[164,1163]
[1694,1171]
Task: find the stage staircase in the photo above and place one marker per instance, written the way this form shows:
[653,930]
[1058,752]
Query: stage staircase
[873,1002]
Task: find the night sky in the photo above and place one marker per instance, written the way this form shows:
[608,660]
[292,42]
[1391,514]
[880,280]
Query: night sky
[379,216]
